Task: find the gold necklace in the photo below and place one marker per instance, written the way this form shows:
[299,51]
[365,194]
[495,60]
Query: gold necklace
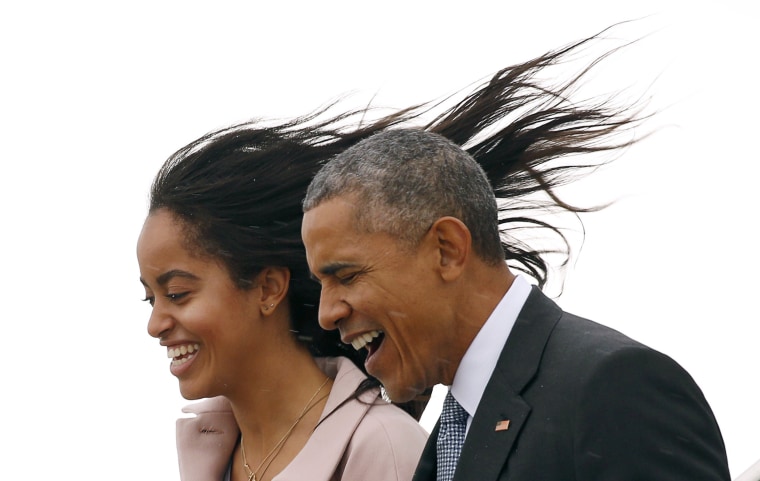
[277,447]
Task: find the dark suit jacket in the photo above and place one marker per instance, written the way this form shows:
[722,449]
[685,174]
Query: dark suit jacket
[585,402]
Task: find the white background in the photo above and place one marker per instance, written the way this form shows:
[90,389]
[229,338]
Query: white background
[95,95]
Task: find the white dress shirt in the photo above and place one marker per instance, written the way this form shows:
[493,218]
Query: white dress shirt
[481,357]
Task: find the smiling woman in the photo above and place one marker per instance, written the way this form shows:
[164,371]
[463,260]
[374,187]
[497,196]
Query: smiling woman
[233,304]
[195,303]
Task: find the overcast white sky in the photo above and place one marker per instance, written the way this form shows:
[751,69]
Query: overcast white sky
[95,95]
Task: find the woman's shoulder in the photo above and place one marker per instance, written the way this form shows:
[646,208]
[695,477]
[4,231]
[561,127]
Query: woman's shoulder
[218,404]
[392,423]
[206,439]
[380,442]
[388,437]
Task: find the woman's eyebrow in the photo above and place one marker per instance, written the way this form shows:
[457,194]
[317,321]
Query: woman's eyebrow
[164,278]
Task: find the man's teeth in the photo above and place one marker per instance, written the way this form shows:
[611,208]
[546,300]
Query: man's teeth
[175,352]
[364,339]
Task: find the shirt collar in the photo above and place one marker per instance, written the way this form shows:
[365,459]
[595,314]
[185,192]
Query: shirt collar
[481,357]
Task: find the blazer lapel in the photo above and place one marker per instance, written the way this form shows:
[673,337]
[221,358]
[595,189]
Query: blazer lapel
[319,458]
[490,440]
[205,442]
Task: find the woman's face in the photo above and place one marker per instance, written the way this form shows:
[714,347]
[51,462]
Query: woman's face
[208,325]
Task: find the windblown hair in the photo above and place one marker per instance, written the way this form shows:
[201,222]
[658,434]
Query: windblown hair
[238,191]
[524,134]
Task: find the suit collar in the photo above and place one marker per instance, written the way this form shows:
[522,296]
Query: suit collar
[521,356]
[486,450]
[480,359]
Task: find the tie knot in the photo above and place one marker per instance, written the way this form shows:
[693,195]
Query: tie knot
[453,412]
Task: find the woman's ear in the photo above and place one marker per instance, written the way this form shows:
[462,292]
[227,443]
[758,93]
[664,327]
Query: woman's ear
[273,282]
[453,242]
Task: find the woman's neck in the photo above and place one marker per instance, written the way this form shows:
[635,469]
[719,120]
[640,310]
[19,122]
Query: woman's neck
[278,411]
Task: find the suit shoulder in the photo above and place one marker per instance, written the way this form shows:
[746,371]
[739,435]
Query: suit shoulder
[593,351]
[591,337]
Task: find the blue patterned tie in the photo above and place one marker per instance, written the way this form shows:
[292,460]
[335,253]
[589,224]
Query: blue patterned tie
[450,437]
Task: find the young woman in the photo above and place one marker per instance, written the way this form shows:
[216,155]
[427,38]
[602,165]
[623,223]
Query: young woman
[224,269]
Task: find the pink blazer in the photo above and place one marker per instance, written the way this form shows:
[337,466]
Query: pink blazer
[363,440]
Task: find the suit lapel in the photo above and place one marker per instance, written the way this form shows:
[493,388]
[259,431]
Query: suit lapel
[486,449]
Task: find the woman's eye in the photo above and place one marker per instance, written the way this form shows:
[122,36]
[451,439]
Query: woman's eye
[176,296]
[150,300]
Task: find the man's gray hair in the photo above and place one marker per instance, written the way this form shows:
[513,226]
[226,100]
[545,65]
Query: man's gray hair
[403,180]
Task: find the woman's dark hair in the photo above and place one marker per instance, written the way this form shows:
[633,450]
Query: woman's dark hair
[238,190]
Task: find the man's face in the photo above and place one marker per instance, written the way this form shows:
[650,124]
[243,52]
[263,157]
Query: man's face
[382,296]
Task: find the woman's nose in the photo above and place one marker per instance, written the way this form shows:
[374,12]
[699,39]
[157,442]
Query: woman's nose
[160,322]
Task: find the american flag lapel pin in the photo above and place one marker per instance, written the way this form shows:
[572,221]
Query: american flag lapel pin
[502,425]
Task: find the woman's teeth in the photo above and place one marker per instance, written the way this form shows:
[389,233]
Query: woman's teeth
[364,339]
[175,353]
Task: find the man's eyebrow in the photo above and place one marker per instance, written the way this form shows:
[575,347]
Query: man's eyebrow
[164,278]
[333,268]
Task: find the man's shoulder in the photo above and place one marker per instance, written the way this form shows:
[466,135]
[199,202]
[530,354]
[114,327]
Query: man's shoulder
[587,347]
[588,331]
[581,332]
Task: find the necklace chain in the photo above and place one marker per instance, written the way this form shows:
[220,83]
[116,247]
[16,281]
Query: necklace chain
[277,447]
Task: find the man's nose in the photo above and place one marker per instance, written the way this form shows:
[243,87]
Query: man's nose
[332,309]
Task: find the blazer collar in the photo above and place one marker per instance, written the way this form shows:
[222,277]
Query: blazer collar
[324,450]
[206,442]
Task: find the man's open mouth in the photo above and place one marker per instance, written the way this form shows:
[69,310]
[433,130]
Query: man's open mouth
[371,340]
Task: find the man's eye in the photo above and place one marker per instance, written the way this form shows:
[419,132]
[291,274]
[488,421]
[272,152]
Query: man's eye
[348,279]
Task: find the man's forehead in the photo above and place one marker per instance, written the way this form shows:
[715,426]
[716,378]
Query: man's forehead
[338,211]
[333,237]
[327,225]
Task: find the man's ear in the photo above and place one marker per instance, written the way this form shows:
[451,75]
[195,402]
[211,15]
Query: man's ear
[273,282]
[454,243]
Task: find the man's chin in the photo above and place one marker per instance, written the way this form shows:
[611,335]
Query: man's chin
[398,395]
